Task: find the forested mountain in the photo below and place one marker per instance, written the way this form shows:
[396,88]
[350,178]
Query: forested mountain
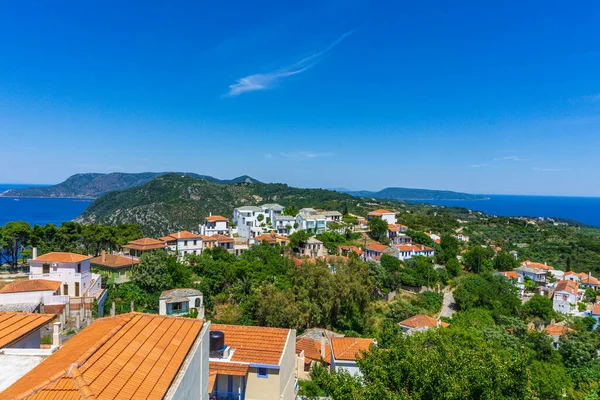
[171,202]
[397,193]
[93,185]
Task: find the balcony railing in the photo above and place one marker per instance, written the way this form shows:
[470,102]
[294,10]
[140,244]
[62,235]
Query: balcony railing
[218,395]
[178,312]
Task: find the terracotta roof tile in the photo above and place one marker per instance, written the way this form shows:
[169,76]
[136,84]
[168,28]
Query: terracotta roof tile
[228,368]
[312,349]
[114,261]
[254,344]
[14,326]
[60,257]
[31,285]
[569,286]
[127,356]
[596,309]
[380,212]
[557,330]
[215,218]
[349,349]
[180,235]
[422,321]
[145,244]
[222,238]
[510,274]
[376,247]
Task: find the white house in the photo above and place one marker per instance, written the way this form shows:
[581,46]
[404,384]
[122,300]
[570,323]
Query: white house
[345,351]
[535,274]
[387,216]
[183,243]
[272,211]
[181,302]
[517,279]
[565,297]
[284,224]
[331,216]
[33,292]
[315,222]
[462,237]
[247,221]
[72,270]
[215,224]
[434,237]
[408,251]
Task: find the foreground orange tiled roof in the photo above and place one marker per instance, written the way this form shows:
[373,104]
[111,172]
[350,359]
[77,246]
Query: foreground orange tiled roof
[61,257]
[349,349]
[422,321]
[145,244]
[312,349]
[14,326]
[254,344]
[31,285]
[222,238]
[557,330]
[127,356]
[114,261]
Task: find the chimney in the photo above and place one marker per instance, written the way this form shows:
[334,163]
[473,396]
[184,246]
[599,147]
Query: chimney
[103,255]
[438,323]
[56,337]
[132,306]
[34,253]
[112,309]
[178,235]
[589,276]
[323,345]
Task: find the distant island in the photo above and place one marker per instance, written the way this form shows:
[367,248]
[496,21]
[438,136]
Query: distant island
[94,185]
[398,193]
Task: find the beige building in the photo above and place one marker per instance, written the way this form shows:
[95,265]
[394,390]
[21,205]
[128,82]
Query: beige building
[252,363]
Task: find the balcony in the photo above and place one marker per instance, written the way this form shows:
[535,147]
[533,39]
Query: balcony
[219,395]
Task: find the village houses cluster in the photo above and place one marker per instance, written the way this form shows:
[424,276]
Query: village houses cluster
[169,355]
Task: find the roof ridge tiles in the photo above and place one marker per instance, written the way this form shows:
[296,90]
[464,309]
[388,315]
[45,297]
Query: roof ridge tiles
[80,382]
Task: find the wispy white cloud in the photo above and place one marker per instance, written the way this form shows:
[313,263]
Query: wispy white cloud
[548,169]
[266,80]
[508,158]
[268,156]
[305,155]
[477,165]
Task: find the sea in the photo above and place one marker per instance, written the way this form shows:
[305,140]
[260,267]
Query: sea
[585,210]
[39,211]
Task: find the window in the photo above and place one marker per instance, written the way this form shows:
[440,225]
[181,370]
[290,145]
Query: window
[195,244]
[197,302]
[79,268]
[185,243]
[262,372]
[177,306]
[45,268]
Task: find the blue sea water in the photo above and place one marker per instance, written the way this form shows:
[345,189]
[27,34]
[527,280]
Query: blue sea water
[38,211]
[581,209]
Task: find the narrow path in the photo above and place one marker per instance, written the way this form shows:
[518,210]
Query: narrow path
[448,305]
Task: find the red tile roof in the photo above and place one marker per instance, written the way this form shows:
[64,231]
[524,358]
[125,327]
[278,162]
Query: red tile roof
[60,257]
[254,344]
[351,248]
[376,247]
[114,261]
[145,244]
[349,349]
[510,274]
[569,286]
[379,213]
[532,264]
[596,309]
[127,356]
[31,285]
[180,235]
[14,326]
[215,218]
[557,330]
[228,368]
[222,238]
[312,349]
[422,321]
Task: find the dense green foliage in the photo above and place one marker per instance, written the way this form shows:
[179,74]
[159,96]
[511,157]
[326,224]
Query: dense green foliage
[19,237]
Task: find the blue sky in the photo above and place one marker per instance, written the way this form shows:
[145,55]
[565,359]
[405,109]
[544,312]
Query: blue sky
[501,97]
